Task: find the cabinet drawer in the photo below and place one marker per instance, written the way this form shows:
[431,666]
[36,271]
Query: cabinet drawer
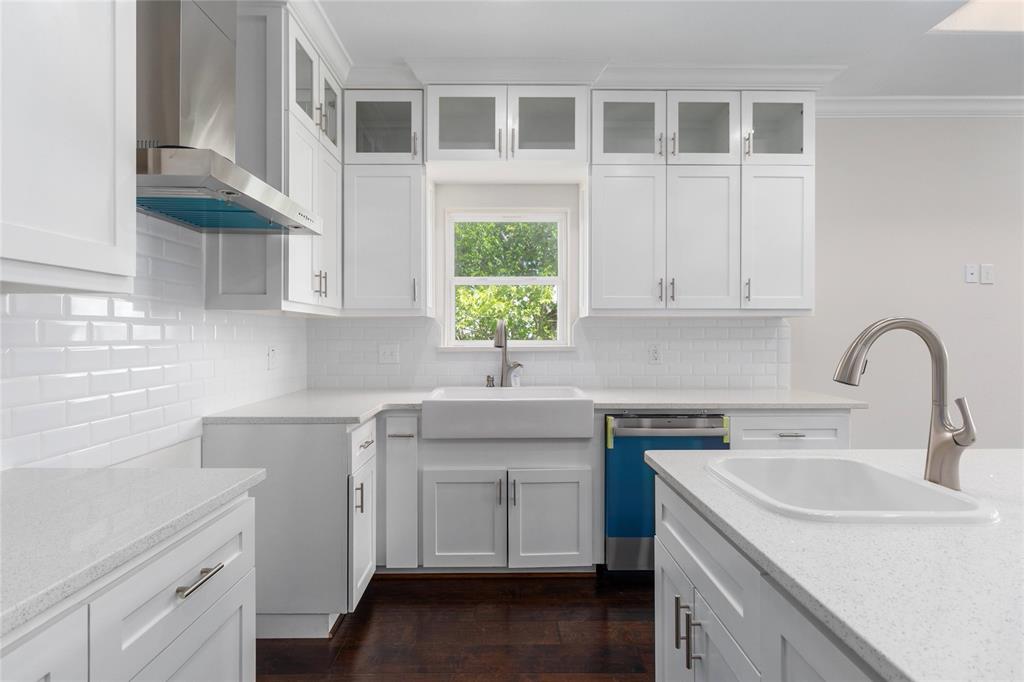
[789,431]
[363,440]
[57,653]
[724,577]
[137,619]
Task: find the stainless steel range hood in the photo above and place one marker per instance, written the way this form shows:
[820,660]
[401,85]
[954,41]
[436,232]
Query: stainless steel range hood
[186,126]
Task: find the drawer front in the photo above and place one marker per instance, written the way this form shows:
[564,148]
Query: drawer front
[363,441]
[57,653]
[725,578]
[141,615]
[790,431]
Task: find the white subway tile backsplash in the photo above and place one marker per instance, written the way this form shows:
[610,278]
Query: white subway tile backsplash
[88,409]
[38,417]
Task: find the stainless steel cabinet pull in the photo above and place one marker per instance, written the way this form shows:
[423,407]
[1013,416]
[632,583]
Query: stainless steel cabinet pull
[680,606]
[690,656]
[401,435]
[498,485]
[749,143]
[512,144]
[319,118]
[748,289]
[324,292]
[661,288]
[415,146]
[319,282]
[792,434]
[413,289]
[366,443]
[661,144]
[673,144]
[672,286]
[361,507]
[204,574]
[499,142]
[514,496]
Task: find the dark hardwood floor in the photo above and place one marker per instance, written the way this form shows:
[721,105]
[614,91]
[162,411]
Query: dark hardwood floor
[481,628]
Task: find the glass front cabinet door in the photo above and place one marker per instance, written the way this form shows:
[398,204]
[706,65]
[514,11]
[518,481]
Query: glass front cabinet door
[466,122]
[778,128]
[547,123]
[303,99]
[629,127]
[703,127]
[330,112]
[383,126]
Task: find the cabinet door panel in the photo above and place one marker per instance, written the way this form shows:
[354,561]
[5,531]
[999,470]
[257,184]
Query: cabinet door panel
[384,126]
[703,127]
[383,237]
[627,239]
[629,127]
[362,535]
[673,597]
[464,517]
[303,78]
[703,237]
[547,123]
[721,659]
[303,164]
[72,99]
[330,112]
[549,522]
[778,128]
[327,249]
[59,653]
[778,237]
[467,123]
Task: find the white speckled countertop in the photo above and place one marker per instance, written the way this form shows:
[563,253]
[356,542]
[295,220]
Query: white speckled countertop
[357,406]
[919,602]
[62,529]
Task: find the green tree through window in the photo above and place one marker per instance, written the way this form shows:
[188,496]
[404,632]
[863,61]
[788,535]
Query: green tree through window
[506,270]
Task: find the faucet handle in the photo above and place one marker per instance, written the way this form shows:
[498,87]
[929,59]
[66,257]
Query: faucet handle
[966,434]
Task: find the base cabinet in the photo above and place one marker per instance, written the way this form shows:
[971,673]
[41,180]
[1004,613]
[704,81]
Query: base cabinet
[549,522]
[58,653]
[362,530]
[464,517]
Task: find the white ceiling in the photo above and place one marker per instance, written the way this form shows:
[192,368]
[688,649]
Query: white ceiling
[883,44]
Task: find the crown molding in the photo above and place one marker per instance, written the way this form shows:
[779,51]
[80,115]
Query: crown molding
[314,20]
[483,71]
[717,77]
[382,76]
[924,107]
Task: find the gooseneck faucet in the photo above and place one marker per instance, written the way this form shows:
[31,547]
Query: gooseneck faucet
[946,442]
[501,341]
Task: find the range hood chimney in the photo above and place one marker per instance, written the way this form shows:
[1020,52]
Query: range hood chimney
[185,161]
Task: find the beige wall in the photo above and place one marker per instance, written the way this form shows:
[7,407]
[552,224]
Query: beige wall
[902,205]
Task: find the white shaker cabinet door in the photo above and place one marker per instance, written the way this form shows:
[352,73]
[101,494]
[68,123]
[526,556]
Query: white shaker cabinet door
[464,517]
[59,653]
[703,127]
[467,123]
[304,278]
[778,128]
[362,530]
[550,517]
[67,193]
[778,237]
[384,226]
[383,126]
[547,123]
[673,600]
[720,658]
[328,246]
[627,237]
[703,241]
[629,127]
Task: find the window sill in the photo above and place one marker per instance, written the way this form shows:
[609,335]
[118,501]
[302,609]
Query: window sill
[513,348]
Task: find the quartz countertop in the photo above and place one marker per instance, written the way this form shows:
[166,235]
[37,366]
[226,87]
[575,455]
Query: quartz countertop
[63,529]
[355,406]
[915,601]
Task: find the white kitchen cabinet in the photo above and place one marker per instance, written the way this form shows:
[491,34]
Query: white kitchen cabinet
[303,277]
[314,263]
[86,239]
[778,237]
[628,127]
[547,123]
[703,237]
[549,520]
[383,126]
[464,517]
[778,128]
[330,112]
[794,649]
[467,122]
[58,653]
[220,645]
[384,238]
[703,127]
[721,658]
[673,599]
[791,430]
[627,237]
[303,78]
[362,530]
[402,527]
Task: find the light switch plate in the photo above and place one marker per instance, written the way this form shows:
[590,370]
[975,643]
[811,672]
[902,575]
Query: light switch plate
[654,354]
[988,273]
[387,354]
[971,273]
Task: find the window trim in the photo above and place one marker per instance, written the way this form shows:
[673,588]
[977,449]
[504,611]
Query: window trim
[561,282]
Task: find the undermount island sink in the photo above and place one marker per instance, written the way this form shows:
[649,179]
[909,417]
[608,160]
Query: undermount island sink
[511,412]
[845,490]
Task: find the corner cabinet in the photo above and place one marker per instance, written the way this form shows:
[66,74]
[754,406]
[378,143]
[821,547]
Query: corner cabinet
[383,126]
[702,201]
[85,241]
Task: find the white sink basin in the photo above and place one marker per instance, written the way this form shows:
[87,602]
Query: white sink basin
[845,490]
[526,412]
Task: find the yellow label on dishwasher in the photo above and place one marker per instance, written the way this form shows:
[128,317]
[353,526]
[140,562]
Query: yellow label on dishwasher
[609,435]
[725,423]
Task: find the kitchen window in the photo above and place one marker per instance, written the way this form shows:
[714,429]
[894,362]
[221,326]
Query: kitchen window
[506,265]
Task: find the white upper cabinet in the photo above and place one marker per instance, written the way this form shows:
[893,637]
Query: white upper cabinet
[330,112]
[384,238]
[629,127]
[303,79]
[467,122]
[703,127]
[85,239]
[627,237]
[384,126]
[303,150]
[547,123]
[703,237]
[778,128]
[778,237]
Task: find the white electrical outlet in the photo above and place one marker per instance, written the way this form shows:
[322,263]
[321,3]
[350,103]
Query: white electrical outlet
[971,273]
[271,357]
[387,354]
[654,354]
[988,273]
